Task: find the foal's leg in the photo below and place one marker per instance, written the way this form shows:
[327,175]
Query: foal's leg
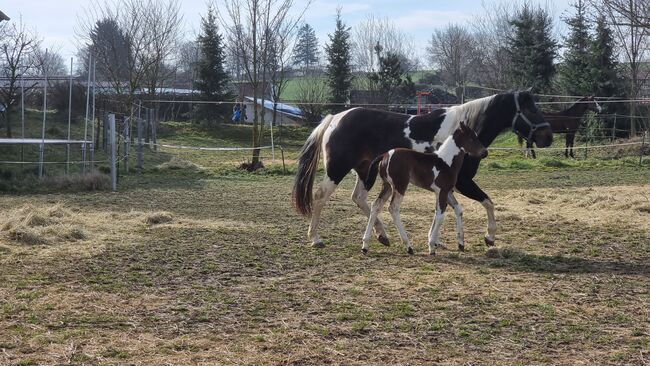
[468,188]
[360,197]
[395,204]
[434,232]
[323,193]
[458,210]
[374,213]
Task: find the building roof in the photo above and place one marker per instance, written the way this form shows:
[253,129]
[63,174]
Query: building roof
[3,16]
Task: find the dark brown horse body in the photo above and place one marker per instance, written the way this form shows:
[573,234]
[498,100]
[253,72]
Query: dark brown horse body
[351,140]
[568,122]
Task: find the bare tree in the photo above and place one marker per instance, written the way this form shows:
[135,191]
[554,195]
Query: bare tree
[163,20]
[313,93]
[17,44]
[375,30]
[629,19]
[251,27]
[454,51]
[48,62]
[491,31]
[126,39]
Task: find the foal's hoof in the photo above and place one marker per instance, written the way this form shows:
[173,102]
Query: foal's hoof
[318,244]
[364,250]
[432,254]
[410,251]
[488,242]
[384,240]
[461,247]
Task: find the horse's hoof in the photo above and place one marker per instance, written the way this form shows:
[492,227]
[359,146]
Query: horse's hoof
[488,242]
[410,251]
[383,240]
[441,246]
[364,250]
[432,254]
[461,247]
[318,244]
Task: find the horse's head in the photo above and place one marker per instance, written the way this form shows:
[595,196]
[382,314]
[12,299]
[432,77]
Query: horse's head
[592,104]
[529,122]
[467,140]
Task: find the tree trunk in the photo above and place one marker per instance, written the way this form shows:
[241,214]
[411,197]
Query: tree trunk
[8,120]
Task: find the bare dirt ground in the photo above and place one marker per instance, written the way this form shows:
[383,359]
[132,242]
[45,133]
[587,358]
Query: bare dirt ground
[179,270]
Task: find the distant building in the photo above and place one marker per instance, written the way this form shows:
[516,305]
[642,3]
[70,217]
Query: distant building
[286,114]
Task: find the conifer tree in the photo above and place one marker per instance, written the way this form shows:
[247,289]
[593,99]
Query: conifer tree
[306,53]
[532,49]
[339,68]
[602,63]
[575,73]
[212,80]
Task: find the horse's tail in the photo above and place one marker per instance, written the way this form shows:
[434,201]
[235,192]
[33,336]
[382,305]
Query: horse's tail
[307,167]
[372,172]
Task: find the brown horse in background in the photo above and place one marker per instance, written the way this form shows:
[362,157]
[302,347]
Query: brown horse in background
[567,122]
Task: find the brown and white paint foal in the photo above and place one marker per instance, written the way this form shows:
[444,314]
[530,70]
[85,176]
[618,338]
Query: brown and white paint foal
[435,172]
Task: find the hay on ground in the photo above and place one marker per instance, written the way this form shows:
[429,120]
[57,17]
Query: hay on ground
[179,164]
[159,217]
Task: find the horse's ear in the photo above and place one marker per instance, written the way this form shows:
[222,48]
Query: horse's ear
[530,90]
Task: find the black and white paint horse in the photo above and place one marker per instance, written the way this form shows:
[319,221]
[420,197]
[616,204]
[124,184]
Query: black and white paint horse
[352,139]
[435,172]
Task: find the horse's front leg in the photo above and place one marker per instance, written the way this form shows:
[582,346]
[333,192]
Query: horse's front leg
[468,188]
[458,210]
[396,202]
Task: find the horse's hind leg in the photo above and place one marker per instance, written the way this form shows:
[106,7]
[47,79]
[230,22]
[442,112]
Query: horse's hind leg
[323,193]
[532,151]
[360,197]
[458,210]
[374,213]
[396,202]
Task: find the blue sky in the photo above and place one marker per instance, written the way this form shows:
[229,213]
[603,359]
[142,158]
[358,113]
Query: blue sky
[56,21]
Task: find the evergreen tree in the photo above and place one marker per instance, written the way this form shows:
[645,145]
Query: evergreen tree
[532,49]
[306,53]
[388,81]
[339,69]
[575,74]
[602,63]
[212,80]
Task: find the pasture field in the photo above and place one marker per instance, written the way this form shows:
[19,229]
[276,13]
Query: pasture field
[211,266]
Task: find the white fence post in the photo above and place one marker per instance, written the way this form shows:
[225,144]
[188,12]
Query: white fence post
[139,148]
[111,123]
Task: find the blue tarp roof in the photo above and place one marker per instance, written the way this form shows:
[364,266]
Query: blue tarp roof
[284,108]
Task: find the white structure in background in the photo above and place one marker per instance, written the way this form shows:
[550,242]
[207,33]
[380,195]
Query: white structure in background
[286,114]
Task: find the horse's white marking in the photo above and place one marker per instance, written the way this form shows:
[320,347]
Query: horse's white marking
[416,145]
[321,196]
[390,157]
[448,151]
[332,126]
[470,112]
[492,224]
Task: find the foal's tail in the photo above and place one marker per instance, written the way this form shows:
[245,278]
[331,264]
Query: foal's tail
[307,167]
[372,172]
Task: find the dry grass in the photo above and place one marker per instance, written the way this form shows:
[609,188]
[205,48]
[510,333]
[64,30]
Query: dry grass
[159,217]
[93,181]
[230,280]
[176,163]
[48,225]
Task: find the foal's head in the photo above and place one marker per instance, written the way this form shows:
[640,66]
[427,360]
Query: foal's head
[467,140]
